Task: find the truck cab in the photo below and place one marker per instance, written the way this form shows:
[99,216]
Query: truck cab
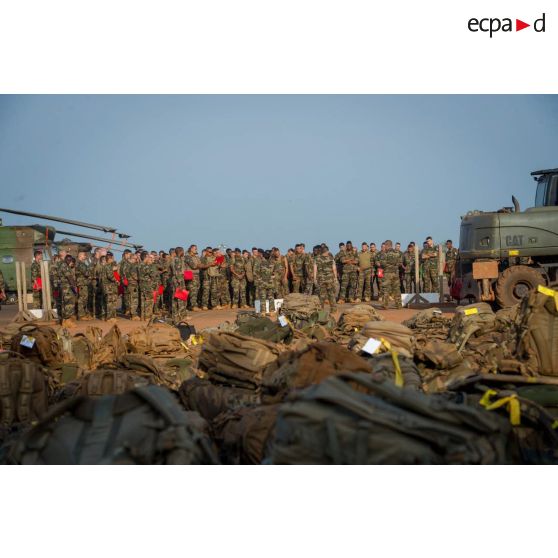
[506,253]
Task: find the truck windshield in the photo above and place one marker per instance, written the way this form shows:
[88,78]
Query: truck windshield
[553,191]
[541,191]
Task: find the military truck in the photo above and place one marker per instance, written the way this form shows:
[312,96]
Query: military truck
[504,254]
[17,243]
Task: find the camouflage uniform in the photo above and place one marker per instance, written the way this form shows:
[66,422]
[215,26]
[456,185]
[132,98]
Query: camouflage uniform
[178,306]
[158,269]
[390,261]
[451,260]
[374,279]
[298,265]
[110,289]
[55,286]
[326,279]
[67,290]
[250,286]
[308,273]
[338,263]
[123,271]
[37,293]
[263,270]
[192,263]
[98,297]
[364,275]
[409,271]
[350,275]
[224,293]
[430,269]
[238,280]
[289,259]
[379,281]
[146,279]
[83,283]
[133,289]
[278,274]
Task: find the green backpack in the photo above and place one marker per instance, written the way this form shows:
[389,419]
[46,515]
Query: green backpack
[144,426]
[353,419]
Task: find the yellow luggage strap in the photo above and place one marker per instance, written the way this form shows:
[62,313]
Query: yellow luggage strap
[549,292]
[395,358]
[511,402]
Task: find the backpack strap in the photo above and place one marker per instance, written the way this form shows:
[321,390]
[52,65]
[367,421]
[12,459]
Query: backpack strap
[25,391]
[6,395]
[97,436]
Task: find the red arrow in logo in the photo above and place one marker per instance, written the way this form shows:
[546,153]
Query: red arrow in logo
[519,25]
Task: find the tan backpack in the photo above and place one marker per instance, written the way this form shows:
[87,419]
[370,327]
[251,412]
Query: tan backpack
[237,360]
[353,319]
[537,324]
[39,343]
[156,339]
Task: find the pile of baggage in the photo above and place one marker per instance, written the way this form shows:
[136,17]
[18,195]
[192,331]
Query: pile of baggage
[476,388]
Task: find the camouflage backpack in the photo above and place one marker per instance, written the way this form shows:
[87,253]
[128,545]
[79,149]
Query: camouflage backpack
[537,326]
[23,391]
[353,319]
[353,419]
[472,320]
[156,339]
[143,426]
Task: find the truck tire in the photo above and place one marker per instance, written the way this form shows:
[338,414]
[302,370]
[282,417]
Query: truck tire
[515,283]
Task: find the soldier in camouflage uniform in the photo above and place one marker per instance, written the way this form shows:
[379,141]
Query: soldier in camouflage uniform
[83,283]
[338,257]
[223,295]
[451,260]
[390,261]
[192,262]
[68,290]
[35,277]
[55,280]
[308,271]
[349,280]
[238,280]
[132,288]
[146,279]
[429,258]
[178,282]
[123,268]
[409,269]
[263,270]
[98,305]
[297,269]
[110,284]
[373,272]
[325,271]
[289,259]
[280,282]
[364,274]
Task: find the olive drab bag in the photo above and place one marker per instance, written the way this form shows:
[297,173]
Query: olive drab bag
[354,318]
[394,335]
[143,426]
[261,327]
[244,435]
[23,391]
[210,400]
[353,419]
[537,325]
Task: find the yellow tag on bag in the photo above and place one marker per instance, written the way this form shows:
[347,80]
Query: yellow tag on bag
[549,292]
[513,252]
[471,311]
[398,374]
[512,403]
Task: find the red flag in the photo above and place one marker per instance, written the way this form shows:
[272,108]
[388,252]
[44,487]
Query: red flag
[160,290]
[37,284]
[380,273]
[116,275]
[181,294]
[125,281]
[188,275]
[220,259]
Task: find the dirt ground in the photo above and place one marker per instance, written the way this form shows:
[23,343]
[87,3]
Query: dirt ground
[200,320]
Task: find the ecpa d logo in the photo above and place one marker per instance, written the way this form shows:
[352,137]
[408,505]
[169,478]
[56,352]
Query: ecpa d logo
[493,25]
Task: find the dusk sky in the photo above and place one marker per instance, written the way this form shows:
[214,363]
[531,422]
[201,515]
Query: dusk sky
[272,170]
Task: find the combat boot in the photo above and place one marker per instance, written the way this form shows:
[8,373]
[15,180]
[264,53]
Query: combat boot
[341,301]
[205,308]
[357,300]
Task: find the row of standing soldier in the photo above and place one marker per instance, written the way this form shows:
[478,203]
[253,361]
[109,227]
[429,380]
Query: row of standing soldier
[151,283]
